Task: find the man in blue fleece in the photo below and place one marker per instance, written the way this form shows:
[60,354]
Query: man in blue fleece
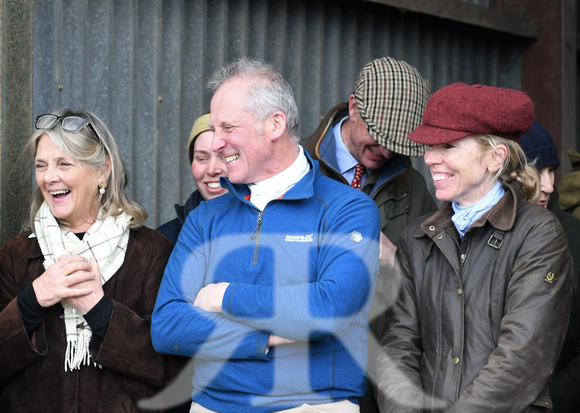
[269,286]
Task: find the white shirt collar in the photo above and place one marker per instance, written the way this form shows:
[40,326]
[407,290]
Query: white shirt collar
[264,191]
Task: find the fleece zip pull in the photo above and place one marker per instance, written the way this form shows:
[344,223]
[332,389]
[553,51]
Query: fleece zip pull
[256,235]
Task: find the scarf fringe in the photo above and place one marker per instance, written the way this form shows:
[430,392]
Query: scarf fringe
[77,351]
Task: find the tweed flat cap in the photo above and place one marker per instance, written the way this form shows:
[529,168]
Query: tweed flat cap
[391,96]
[201,125]
[459,110]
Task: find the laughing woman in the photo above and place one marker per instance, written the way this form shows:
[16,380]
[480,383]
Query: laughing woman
[76,293]
[486,281]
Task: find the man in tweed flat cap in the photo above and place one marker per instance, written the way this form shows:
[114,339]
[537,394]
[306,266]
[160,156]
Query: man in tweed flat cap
[371,130]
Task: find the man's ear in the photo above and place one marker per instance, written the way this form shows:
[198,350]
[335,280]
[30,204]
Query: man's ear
[276,124]
[352,107]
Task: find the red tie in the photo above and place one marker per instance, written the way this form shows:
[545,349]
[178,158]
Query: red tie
[358,171]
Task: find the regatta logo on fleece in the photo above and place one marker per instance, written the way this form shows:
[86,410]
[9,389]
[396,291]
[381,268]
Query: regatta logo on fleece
[300,238]
[356,236]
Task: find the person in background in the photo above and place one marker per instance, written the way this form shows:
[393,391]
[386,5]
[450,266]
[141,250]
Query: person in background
[77,293]
[206,167]
[486,281]
[280,270]
[370,132]
[539,148]
[570,186]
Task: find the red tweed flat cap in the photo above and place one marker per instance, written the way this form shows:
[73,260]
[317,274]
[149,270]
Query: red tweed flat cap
[460,110]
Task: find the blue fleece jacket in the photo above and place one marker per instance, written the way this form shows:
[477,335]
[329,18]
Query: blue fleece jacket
[303,269]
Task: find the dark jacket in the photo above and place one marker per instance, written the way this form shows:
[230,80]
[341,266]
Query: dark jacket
[565,387]
[32,376]
[400,193]
[479,323]
[171,229]
[399,190]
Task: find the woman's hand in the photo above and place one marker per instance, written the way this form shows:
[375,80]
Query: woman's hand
[86,302]
[62,280]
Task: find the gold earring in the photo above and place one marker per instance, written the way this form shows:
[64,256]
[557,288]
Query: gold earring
[102,186]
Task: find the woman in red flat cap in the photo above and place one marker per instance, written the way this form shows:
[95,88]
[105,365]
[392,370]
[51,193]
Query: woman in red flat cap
[485,283]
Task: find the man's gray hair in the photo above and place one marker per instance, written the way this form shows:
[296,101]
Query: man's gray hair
[267,95]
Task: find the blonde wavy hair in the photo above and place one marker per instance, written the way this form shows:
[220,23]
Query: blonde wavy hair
[94,152]
[515,166]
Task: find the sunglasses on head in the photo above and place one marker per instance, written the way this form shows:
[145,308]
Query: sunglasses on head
[69,123]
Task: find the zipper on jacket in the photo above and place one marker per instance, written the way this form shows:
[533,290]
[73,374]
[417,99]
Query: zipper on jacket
[256,235]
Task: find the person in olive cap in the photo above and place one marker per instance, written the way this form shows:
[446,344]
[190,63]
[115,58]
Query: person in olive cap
[539,147]
[370,133]
[486,281]
[206,167]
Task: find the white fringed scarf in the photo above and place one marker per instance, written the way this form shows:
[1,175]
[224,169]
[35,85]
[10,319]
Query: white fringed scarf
[106,240]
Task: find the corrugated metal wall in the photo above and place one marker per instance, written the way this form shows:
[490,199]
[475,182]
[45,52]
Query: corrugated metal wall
[141,65]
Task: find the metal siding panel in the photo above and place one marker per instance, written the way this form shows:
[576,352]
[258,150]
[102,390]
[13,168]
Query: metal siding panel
[258,27]
[72,52]
[142,66]
[311,67]
[193,75]
[329,72]
[238,24]
[217,17]
[144,172]
[121,100]
[294,55]
[97,56]
[169,149]
[277,32]
[46,41]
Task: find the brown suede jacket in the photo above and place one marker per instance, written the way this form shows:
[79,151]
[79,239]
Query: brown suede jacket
[32,376]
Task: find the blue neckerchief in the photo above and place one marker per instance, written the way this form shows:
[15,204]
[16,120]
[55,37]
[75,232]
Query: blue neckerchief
[465,216]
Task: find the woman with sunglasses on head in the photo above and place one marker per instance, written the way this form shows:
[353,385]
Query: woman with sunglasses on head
[486,281]
[77,292]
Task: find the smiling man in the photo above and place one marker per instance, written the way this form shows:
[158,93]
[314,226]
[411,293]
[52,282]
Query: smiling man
[269,286]
[370,132]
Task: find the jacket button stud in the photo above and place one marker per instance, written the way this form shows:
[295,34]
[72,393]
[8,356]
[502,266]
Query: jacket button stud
[459,291]
[440,236]
[456,360]
[431,227]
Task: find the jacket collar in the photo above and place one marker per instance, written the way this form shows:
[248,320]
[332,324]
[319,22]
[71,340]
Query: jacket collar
[326,151]
[192,202]
[501,216]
